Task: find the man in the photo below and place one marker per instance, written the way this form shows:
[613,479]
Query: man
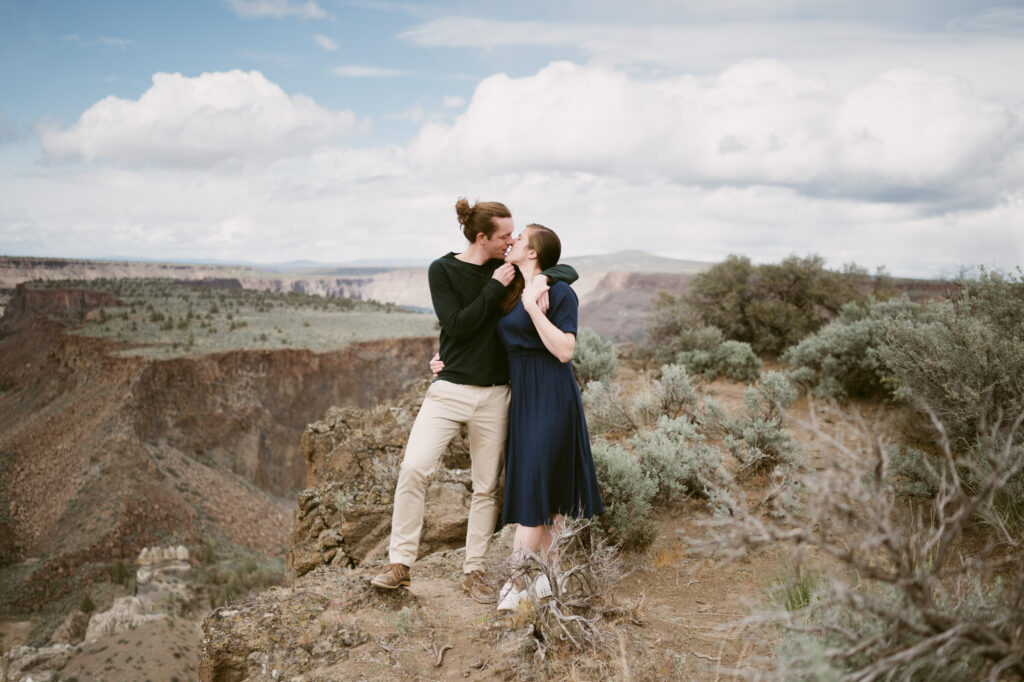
[472,389]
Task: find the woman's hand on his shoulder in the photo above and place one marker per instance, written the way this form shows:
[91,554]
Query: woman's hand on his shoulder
[534,291]
[543,302]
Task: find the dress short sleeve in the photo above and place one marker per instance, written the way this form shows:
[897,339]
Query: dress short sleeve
[564,308]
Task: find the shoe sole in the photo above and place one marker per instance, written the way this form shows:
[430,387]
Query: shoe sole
[475,598]
[404,583]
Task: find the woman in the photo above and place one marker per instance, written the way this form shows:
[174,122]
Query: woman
[549,470]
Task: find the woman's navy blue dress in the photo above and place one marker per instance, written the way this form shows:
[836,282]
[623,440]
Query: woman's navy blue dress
[548,469]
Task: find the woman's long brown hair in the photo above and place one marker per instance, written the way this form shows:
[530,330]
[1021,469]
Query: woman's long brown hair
[545,242]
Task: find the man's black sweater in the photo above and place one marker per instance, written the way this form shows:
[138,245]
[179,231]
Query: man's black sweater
[467,301]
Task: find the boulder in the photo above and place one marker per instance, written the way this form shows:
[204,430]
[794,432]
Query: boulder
[72,630]
[352,456]
[37,664]
[126,614]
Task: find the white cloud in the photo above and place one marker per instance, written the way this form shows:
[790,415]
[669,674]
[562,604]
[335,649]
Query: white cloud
[908,169]
[120,43]
[248,9]
[360,71]
[206,121]
[848,50]
[453,102]
[910,129]
[326,43]
[486,33]
[759,122]
[337,205]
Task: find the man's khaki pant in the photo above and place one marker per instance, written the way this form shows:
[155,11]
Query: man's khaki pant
[445,409]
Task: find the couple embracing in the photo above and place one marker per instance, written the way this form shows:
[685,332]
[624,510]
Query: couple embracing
[508,330]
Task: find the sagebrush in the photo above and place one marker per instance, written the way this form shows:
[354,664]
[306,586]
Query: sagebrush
[593,358]
[913,592]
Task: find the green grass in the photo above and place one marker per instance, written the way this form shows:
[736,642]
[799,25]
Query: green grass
[794,589]
[231,573]
[165,319]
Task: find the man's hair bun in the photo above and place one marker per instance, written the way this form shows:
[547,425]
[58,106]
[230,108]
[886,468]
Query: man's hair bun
[479,218]
[463,211]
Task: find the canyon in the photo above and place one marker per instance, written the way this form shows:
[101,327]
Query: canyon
[103,454]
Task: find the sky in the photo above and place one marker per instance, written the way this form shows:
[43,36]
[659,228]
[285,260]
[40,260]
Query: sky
[268,131]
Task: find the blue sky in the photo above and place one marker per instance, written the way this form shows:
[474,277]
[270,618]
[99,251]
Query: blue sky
[274,130]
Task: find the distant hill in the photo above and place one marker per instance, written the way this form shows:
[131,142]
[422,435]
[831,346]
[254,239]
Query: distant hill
[636,261]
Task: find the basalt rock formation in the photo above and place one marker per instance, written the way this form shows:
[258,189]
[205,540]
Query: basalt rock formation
[30,302]
[162,581]
[352,457]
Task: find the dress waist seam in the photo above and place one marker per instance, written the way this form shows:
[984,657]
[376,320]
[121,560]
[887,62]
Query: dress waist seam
[529,352]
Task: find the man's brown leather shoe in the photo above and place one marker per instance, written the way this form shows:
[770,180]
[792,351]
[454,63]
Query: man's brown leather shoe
[479,589]
[392,577]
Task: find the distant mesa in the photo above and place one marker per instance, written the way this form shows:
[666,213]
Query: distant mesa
[614,289]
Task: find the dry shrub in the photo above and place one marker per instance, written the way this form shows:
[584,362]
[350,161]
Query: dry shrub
[735,360]
[609,410]
[674,327]
[628,495]
[965,359]
[574,627]
[915,590]
[758,439]
[593,358]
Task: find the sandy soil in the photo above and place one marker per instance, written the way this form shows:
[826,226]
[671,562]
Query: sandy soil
[162,650]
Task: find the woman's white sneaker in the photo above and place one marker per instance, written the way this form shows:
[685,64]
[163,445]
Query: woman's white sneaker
[510,601]
[505,589]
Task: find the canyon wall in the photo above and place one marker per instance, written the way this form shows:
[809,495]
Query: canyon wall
[101,455]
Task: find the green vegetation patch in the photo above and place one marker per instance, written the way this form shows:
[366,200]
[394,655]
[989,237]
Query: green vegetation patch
[165,318]
[228,573]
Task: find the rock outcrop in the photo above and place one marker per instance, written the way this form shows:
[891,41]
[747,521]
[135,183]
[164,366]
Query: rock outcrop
[329,623]
[352,456]
[162,585]
[164,578]
[72,630]
[37,664]
[28,302]
[127,613]
[283,629]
